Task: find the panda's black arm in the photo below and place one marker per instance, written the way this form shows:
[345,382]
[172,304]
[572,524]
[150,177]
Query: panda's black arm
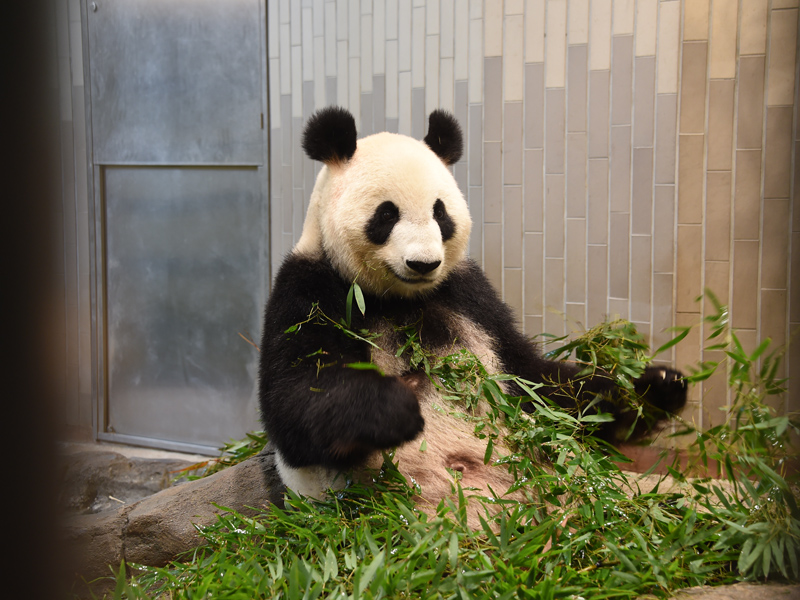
[562,382]
[315,409]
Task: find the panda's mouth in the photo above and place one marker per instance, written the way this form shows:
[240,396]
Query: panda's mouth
[412,280]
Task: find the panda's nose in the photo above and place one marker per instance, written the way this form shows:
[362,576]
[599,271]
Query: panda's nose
[423,268]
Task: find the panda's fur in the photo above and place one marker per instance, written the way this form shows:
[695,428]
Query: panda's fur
[387,213]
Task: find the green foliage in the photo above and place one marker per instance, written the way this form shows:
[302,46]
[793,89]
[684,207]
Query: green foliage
[587,530]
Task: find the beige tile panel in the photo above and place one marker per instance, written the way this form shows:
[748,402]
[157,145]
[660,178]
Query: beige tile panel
[576,260]
[724,27]
[598,201]
[669,18]
[666,111]
[690,178]
[642,195]
[513,58]
[747,195]
[555,126]
[663,313]
[664,229]
[555,58]
[512,226]
[576,175]
[533,192]
[534,30]
[693,87]
[750,108]
[512,292]
[689,280]
[575,313]
[793,400]
[687,352]
[784,3]
[644,100]
[618,308]
[794,280]
[493,29]
[782,60]
[493,253]
[619,253]
[620,165]
[778,152]
[720,124]
[753,28]
[641,275]
[578,22]
[623,16]
[600,35]
[599,82]
[695,20]
[646,22]
[796,189]
[534,273]
[774,319]
[554,216]
[597,283]
[717,280]
[554,296]
[718,216]
[533,325]
[744,296]
[775,245]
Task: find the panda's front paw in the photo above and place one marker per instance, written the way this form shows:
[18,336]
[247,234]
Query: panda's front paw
[399,419]
[663,387]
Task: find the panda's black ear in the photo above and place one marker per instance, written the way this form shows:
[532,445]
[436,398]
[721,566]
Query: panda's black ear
[444,136]
[330,135]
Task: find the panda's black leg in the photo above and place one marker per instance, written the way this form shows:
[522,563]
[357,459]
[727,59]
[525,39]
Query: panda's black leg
[663,388]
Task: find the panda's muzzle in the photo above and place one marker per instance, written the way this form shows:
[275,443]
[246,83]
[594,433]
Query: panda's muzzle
[423,268]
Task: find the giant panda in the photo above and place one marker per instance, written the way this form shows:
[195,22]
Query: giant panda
[386,212]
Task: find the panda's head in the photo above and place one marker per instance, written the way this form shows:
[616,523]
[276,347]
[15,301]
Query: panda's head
[386,209]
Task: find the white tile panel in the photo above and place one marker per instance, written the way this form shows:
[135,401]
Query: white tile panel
[273,29]
[446,32]
[286,60]
[461,40]
[341,19]
[379,37]
[475,61]
[342,73]
[275,93]
[446,85]
[354,91]
[330,39]
[319,17]
[367,54]
[308,45]
[297,81]
[475,9]
[514,7]
[432,17]
[296,23]
[354,28]
[391,79]
[431,73]
[418,47]
[391,19]
[404,34]
[285,12]
[493,33]
[404,103]
[319,73]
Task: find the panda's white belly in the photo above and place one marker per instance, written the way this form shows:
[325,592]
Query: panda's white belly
[446,444]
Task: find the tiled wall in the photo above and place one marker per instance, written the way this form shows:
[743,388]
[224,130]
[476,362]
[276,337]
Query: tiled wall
[621,155]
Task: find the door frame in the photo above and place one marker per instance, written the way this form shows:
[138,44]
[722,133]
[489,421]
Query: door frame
[97,247]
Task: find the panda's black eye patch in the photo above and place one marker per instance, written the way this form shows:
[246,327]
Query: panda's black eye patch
[446,224]
[382,222]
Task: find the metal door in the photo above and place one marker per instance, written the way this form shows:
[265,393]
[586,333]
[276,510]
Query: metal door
[176,107]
